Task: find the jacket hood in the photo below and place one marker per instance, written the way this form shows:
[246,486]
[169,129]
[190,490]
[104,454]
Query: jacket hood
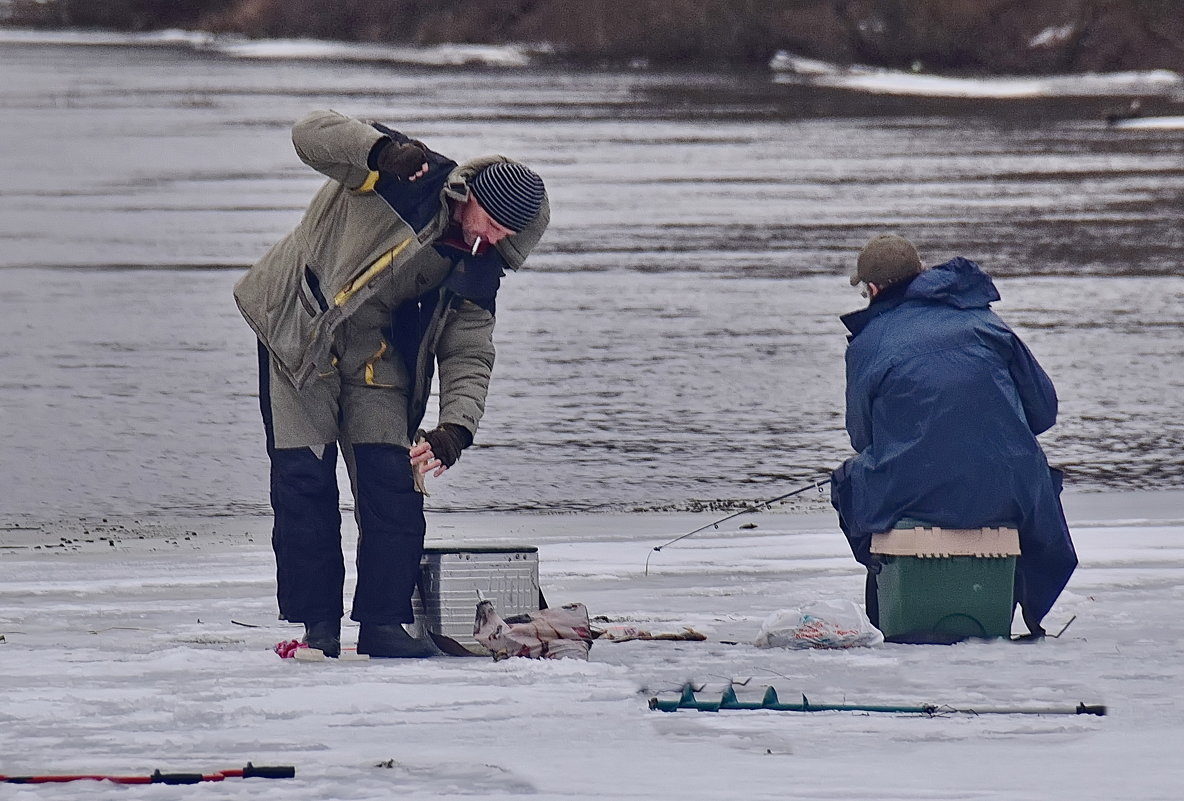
[958,282]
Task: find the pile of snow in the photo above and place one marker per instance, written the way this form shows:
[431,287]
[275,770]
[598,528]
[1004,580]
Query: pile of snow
[789,68]
[1052,36]
[444,55]
[1164,123]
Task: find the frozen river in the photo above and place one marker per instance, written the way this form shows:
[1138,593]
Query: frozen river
[674,341]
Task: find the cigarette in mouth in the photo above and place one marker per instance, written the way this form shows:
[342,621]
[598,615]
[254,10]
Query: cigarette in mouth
[476,244]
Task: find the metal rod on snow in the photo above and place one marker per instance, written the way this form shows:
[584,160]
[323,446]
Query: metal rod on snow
[156,777]
[755,508]
[769,701]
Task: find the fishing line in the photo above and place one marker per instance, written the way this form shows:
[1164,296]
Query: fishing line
[816,484]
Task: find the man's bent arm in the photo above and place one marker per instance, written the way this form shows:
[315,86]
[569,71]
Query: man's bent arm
[1036,390]
[336,145]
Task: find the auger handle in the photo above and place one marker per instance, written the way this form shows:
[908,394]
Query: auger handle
[269,771]
[183,778]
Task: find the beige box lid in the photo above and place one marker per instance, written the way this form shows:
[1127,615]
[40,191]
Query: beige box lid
[942,542]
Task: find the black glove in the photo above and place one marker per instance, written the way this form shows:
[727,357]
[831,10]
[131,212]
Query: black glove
[401,161]
[447,441]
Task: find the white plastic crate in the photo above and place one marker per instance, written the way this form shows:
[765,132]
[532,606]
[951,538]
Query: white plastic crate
[451,576]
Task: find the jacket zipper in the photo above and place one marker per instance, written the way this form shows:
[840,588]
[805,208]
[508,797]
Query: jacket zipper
[370,273]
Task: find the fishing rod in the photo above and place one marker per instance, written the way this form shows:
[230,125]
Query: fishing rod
[156,777]
[729,701]
[755,508]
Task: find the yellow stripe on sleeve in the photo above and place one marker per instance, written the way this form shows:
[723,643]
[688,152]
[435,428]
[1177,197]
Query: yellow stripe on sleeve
[368,184]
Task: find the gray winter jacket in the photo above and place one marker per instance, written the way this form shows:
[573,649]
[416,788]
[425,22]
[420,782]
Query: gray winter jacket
[353,246]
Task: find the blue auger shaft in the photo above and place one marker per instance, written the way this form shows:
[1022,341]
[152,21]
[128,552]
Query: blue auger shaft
[728,701]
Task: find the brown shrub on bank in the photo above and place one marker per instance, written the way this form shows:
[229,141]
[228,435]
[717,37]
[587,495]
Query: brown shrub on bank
[1020,36]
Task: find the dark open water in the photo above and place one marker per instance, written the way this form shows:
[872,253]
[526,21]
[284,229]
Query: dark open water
[673,343]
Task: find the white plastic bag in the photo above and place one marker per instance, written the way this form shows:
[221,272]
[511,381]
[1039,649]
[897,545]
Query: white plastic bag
[822,624]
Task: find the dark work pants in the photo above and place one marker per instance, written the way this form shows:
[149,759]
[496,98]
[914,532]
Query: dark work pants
[391,530]
[306,536]
[871,598]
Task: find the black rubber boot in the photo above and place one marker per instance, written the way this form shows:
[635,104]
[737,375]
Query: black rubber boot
[391,641]
[324,635]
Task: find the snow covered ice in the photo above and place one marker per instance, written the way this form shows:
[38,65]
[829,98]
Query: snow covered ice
[142,176]
[122,655]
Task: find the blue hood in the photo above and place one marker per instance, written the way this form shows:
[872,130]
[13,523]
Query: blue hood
[959,283]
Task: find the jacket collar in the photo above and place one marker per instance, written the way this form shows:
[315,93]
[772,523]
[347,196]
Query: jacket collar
[885,301]
[958,282]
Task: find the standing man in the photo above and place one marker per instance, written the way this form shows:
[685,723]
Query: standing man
[391,274]
[944,403]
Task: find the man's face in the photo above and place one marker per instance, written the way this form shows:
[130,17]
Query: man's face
[476,222]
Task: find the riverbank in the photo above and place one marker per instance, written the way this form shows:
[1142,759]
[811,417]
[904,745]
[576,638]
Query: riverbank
[990,36]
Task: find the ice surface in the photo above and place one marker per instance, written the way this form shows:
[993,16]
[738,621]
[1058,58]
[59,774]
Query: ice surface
[121,655]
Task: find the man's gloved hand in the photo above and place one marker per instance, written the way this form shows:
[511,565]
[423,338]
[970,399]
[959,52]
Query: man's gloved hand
[447,441]
[404,162]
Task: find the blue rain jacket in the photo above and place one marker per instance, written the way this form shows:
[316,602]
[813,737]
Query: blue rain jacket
[944,403]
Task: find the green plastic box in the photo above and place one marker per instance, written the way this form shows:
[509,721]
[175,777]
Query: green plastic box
[942,589]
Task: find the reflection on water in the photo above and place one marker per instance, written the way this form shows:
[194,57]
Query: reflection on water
[673,342]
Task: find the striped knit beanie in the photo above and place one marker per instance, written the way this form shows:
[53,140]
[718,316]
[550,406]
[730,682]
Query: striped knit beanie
[510,193]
